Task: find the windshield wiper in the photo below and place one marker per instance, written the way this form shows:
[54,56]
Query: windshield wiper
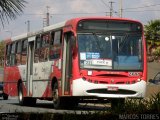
[123,44]
[97,41]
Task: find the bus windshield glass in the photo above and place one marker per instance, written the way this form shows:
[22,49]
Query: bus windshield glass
[111,49]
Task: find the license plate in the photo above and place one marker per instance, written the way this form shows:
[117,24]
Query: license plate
[111,88]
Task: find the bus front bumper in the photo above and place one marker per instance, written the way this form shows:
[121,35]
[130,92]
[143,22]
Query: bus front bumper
[85,88]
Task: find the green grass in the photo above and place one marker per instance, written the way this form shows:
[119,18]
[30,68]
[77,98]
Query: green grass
[150,105]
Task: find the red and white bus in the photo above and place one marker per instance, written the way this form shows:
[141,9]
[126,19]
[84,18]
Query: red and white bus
[82,58]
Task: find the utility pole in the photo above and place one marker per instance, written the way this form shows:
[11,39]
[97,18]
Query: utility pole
[120,8]
[47,16]
[46,19]
[44,22]
[111,8]
[28,25]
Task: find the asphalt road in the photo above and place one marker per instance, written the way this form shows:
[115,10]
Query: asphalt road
[11,105]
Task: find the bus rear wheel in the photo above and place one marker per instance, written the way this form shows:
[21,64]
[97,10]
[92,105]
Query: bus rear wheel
[20,94]
[5,96]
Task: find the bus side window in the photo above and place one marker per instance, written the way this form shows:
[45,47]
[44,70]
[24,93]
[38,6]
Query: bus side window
[44,50]
[18,53]
[37,47]
[12,62]
[8,52]
[55,45]
[24,52]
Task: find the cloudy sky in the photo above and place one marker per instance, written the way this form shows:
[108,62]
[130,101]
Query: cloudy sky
[61,10]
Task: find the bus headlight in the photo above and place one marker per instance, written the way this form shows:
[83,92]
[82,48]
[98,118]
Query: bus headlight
[139,79]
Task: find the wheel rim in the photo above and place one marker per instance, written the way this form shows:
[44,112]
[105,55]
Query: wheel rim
[20,95]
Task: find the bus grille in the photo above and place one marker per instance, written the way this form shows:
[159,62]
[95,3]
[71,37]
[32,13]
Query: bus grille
[105,91]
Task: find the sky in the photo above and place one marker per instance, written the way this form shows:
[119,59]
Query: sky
[62,10]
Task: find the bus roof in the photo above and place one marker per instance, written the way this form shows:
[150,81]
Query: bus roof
[45,29]
[22,36]
[54,26]
[101,18]
[73,22]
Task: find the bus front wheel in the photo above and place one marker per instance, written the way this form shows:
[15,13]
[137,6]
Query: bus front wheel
[117,103]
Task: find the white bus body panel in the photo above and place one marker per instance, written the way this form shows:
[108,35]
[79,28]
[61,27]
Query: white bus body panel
[80,88]
[41,74]
[40,77]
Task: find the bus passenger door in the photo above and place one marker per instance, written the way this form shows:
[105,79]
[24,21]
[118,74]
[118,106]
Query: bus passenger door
[29,74]
[67,64]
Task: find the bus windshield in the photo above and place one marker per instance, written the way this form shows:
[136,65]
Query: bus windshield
[110,51]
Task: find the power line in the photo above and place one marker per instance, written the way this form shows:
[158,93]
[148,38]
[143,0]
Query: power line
[110,7]
[143,11]
[106,5]
[33,14]
[64,13]
[87,13]
[142,6]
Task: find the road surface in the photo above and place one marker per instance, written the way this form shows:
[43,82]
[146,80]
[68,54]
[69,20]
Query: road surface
[11,106]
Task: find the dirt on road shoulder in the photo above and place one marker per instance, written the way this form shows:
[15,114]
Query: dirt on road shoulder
[153,69]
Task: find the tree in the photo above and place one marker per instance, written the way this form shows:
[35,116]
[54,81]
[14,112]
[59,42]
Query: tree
[152,30]
[9,9]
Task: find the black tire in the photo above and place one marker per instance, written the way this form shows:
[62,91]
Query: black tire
[5,96]
[25,100]
[62,102]
[71,103]
[57,101]
[21,98]
[31,101]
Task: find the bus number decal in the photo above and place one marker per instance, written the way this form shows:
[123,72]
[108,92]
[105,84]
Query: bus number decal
[134,73]
[88,62]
